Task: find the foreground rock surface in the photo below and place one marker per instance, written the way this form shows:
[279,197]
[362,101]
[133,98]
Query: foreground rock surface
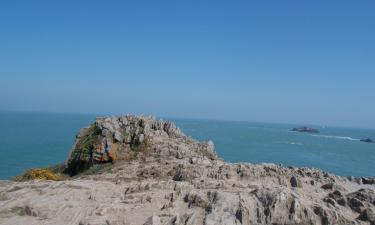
[158,175]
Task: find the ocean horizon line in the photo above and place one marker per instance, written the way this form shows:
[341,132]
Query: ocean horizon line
[292,124]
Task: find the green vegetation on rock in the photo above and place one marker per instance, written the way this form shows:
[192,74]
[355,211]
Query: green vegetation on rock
[81,156]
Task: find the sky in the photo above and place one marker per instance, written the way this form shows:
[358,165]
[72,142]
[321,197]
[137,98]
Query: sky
[302,62]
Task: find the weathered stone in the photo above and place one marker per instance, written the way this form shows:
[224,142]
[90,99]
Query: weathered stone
[368,215]
[118,136]
[153,220]
[158,175]
[341,201]
[368,180]
[294,182]
[95,144]
[364,195]
[356,205]
[330,201]
[328,186]
[338,197]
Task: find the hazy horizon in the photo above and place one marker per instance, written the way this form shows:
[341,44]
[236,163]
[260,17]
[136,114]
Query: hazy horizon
[171,117]
[279,62]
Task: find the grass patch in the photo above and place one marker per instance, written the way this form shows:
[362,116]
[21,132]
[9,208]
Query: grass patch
[38,174]
[58,168]
[97,169]
[20,211]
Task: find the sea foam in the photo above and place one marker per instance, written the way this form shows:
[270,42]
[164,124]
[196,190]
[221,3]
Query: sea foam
[336,137]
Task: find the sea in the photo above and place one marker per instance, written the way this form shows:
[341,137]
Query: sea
[30,140]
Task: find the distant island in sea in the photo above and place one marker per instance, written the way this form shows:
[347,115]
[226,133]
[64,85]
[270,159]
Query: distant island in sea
[305,129]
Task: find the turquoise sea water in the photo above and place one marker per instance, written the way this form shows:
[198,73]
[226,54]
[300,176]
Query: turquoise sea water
[41,139]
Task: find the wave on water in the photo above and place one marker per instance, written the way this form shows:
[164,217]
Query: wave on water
[290,143]
[336,137]
[295,143]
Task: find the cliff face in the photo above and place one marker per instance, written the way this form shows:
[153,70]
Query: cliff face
[155,174]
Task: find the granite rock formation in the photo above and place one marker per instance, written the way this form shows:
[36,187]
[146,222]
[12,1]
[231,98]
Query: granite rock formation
[123,138]
[157,175]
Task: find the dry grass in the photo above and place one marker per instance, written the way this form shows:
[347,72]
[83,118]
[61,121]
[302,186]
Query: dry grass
[38,174]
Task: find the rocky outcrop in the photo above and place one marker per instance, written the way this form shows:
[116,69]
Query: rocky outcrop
[123,138]
[158,175]
[305,130]
[368,140]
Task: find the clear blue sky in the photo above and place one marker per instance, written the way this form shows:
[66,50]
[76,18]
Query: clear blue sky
[307,62]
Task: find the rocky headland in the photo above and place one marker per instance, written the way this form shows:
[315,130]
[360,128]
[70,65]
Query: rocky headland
[131,170]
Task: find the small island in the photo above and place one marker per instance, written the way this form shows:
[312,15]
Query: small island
[305,130]
[368,140]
